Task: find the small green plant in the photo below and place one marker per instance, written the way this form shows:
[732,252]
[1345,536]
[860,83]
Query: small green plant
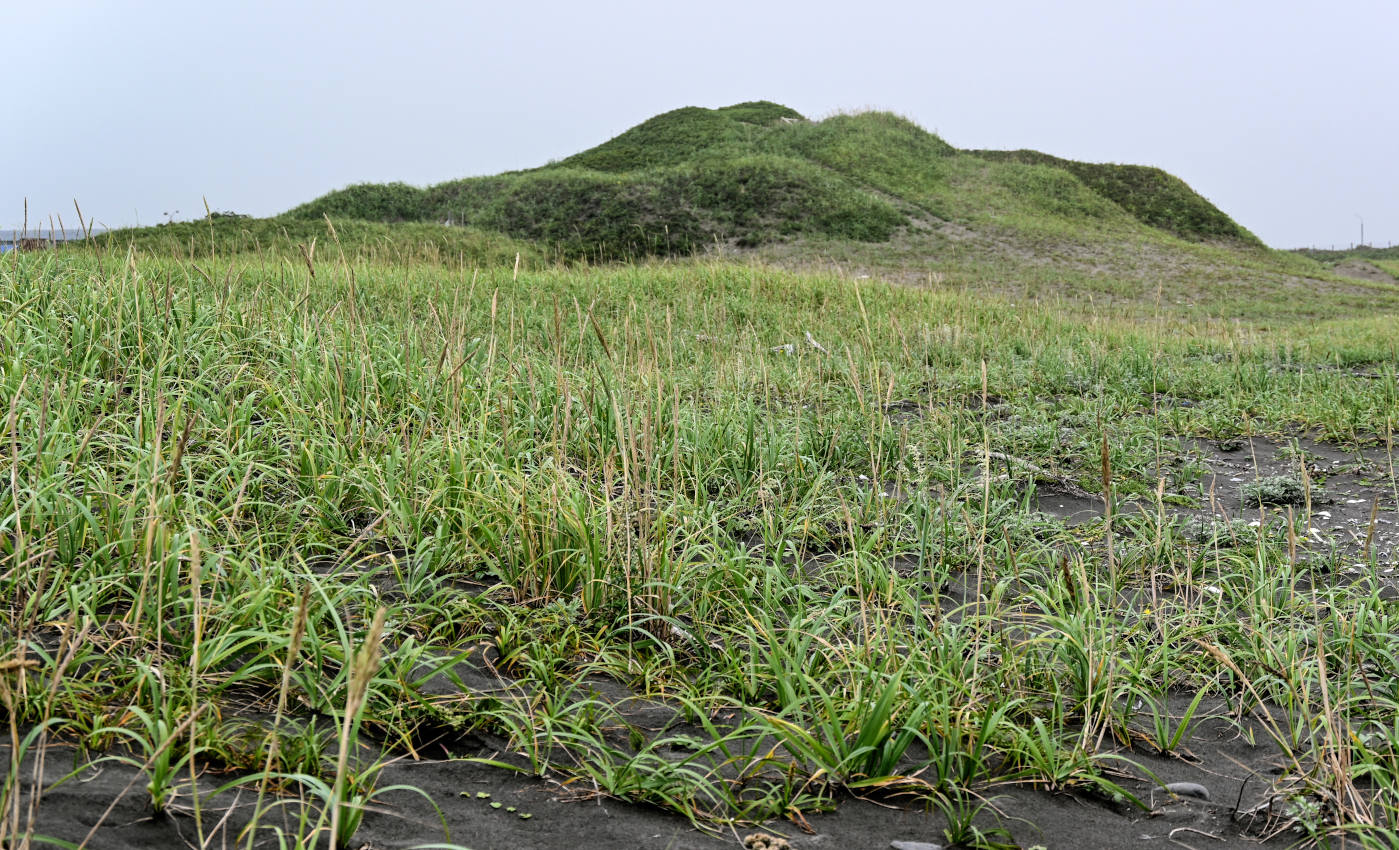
[160,737]
[962,829]
[351,791]
[1168,732]
[857,739]
[1275,490]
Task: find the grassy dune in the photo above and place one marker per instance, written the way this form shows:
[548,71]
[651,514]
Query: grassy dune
[869,193]
[259,504]
[758,173]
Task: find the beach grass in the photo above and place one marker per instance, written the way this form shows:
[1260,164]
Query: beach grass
[257,501]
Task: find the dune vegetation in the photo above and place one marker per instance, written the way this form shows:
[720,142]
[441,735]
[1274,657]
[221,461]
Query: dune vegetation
[303,517]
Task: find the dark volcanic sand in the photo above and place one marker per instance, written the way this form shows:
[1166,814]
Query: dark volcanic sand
[1347,485]
[569,817]
[1236,773]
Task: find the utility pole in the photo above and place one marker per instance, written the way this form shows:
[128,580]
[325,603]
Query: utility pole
[1362,228]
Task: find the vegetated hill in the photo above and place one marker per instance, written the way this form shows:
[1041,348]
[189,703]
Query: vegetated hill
[759,173]
[1358,252]
[1150,195]
[1365,262]
[869,193]
[224,234]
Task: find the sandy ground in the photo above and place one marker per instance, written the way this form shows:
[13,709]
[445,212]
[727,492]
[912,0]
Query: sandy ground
[1229,755]
[73,805]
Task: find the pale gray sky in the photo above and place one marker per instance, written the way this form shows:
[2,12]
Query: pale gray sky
[1280,112]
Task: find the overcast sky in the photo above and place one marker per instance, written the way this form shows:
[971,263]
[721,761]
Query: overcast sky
[1282,113]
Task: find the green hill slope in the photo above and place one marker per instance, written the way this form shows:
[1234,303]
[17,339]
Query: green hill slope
[1150,195]
[224,234]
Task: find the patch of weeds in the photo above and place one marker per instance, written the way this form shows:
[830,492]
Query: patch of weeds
[1278,490]
[962,829]
[1213,531]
